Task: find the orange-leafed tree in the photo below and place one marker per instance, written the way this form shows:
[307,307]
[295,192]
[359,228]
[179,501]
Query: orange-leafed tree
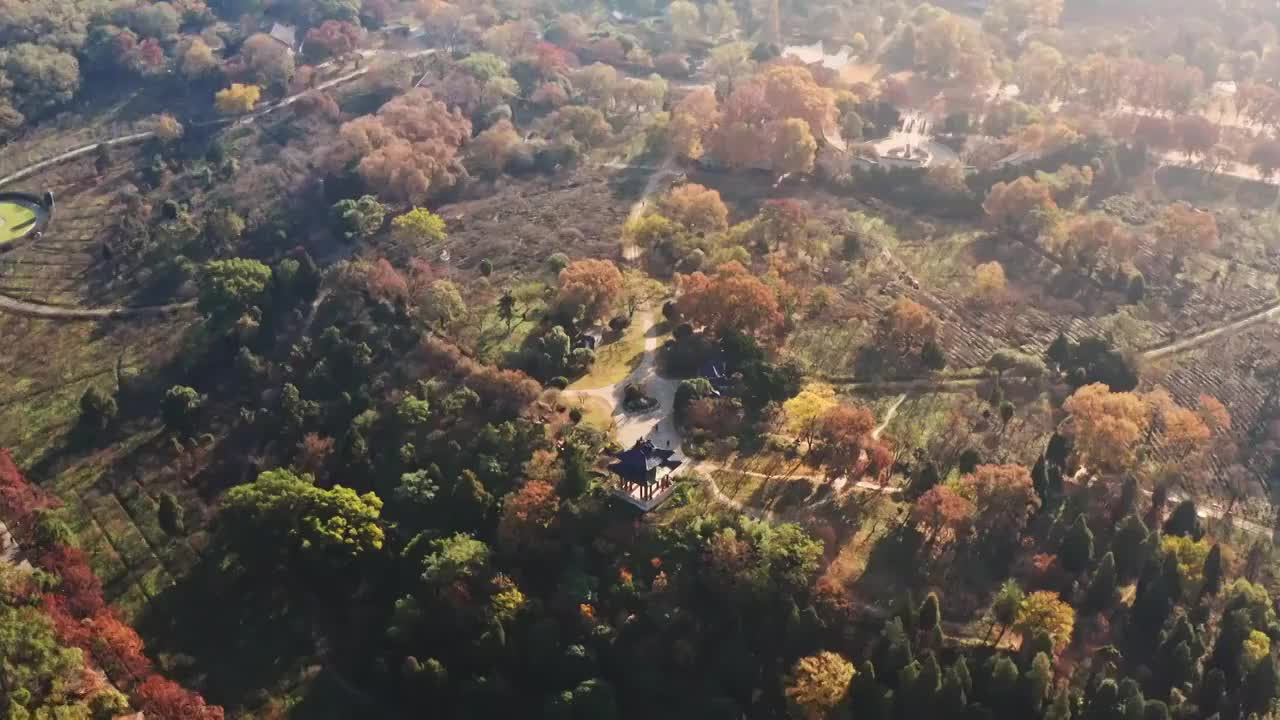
[1022,206]
[1183,230]
[698,208]
[942,515]
[1004,498]
[794,147]
[691,119]
[1185,432]
[1214,413]
[408,151]
[907,327]
[844,432]
[989,284]
[528,517]
[1107,426]
[1090,240]
[731,299]
[791,92]
[589,288]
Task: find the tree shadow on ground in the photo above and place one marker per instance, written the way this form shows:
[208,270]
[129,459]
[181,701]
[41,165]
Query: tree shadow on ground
[230,638]
[891,566]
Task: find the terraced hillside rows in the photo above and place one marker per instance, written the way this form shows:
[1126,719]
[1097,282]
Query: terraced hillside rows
[67,267]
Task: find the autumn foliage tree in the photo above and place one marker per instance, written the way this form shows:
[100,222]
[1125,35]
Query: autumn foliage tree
[697,208]
[843,433]
[1021,207]
[589,288]
[942,515]
[731,299]
[166,700]
[237,99]
[408,151]
[907,328]
[1183,230]
[528,517]
[333,38]
[1004,499]
[818,684]
[1045,612]
[989,283]
[1107,426]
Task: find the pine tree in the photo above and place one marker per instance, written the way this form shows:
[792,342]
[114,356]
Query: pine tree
[924,482]
[1057,450]
[1184,521]
[1261,687]
[1102,588]
[1059,351]
[1038,678]
[1002,685]
[1212,690]
[930,614]
[952,698]
[1076,551]
[869,696]
[1213,572]
[1061,707]
[1128,502]
[1127,545]
[961,668]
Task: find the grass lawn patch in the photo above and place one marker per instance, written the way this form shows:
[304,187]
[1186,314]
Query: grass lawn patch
[827,348]
[596,412]
[615,360]
[16,220]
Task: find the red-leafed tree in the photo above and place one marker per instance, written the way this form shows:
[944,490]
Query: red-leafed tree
[78,586]
[730,300]
[529,518]
[333,38]
[162,699]
[118,649]
[19,499]
[942,514]
[505,393]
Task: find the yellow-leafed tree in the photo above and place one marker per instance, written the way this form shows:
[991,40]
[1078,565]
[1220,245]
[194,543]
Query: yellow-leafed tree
[237,99]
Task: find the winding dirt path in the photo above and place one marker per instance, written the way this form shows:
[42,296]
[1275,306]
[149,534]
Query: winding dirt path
[1177,346]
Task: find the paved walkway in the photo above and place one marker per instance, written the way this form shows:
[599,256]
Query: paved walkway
[658,424]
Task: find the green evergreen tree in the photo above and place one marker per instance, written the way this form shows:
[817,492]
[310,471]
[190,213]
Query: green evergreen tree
[1261,687]
[1184,521]
[1038,679]
[577,470]
[1128,545]
[171,515]
[1155,710]
[871,699]
[930,614]
[1059,352]
[1076,551]
[925,480]
[1061,707]
[1102,588]
[1213,571]
[1105,703]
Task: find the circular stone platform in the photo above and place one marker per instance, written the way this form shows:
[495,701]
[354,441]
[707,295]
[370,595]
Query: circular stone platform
[21,215]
